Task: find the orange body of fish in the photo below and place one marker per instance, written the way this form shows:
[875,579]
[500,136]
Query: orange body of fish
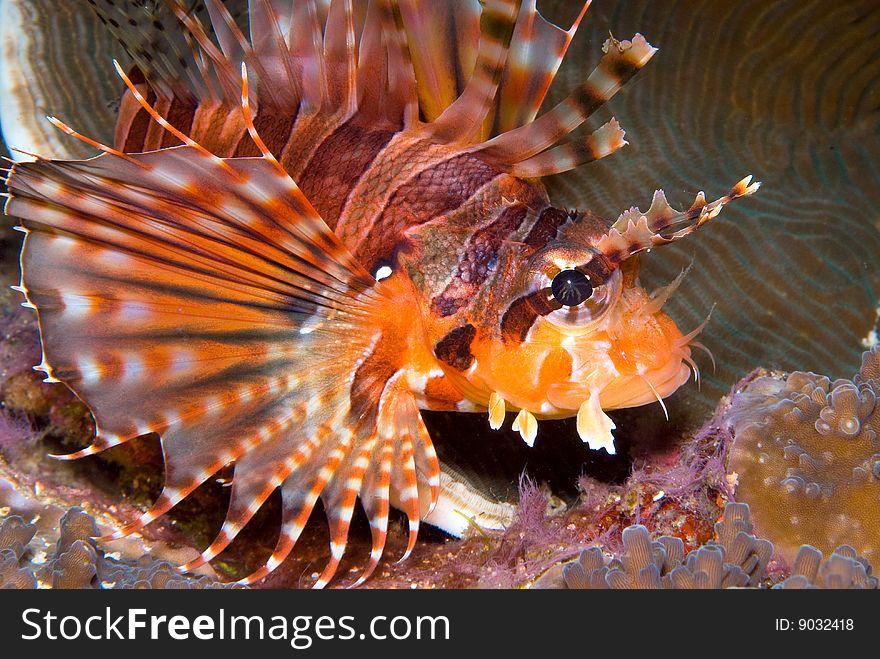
[304,235]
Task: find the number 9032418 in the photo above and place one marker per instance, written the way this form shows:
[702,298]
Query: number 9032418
[815,624]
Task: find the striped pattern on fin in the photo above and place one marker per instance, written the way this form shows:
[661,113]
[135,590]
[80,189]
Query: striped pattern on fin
[464,118]
[469,72]
[600,143]
[537,49]
[447,35]
[205,300]
[163,53]
[621,61]
[635,231]
[301,54]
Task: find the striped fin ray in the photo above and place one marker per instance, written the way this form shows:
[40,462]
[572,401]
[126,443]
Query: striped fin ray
[621,61]
[600,143]
[448,36]
[148,32]
[489,67]
[402,96]
[307,55]
[203,299]
[464,118]
[475,73]
[537,49]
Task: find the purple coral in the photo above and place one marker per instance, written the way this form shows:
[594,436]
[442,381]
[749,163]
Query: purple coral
[843,569]
[15,535]
[78,563]
[734,558]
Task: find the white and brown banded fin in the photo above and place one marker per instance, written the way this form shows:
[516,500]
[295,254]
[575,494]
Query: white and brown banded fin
[621,61]
[536,52]
[376,503]
[602,142]
[148,31]
[464,118]
[476,73]
[172,287]
[635,231]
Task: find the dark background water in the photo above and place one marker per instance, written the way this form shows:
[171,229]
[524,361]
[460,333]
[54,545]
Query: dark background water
[787,91]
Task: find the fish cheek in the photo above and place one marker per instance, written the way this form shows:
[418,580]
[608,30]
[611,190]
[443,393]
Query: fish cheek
[555,369]
[454,349]
[648,342]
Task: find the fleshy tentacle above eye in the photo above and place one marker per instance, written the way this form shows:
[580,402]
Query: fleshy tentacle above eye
[634,231]
[205,300]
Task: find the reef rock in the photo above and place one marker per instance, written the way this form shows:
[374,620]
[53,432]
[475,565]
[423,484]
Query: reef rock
[735,558]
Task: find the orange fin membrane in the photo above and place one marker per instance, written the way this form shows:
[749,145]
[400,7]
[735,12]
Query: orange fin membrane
[205,300]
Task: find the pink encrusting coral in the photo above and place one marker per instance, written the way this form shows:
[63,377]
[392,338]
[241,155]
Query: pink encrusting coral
[806,458]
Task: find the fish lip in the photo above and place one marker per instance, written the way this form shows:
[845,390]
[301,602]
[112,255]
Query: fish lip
[665,380]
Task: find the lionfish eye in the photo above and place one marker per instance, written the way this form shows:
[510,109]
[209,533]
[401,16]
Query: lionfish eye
[571,288]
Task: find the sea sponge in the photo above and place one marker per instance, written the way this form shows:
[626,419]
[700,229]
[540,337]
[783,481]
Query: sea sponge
[806,458]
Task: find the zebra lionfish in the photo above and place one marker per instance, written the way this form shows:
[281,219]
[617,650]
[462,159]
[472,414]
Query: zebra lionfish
[305,234]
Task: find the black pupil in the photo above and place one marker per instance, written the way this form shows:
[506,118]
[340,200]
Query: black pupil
[571,287]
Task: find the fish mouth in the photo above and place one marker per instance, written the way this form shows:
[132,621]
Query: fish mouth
[643,388]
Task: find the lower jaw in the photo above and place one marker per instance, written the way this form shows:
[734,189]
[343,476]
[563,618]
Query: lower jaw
[634,390]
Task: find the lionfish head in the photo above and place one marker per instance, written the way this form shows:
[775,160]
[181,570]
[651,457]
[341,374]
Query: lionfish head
[566,328]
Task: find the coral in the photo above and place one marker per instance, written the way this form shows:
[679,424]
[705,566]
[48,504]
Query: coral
[77,562]
[806,458]
[734,559]
[15,535]
[844,569]
[13,576]
[746,555]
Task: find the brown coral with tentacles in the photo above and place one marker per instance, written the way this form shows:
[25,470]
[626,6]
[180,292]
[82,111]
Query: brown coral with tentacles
[806,457]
